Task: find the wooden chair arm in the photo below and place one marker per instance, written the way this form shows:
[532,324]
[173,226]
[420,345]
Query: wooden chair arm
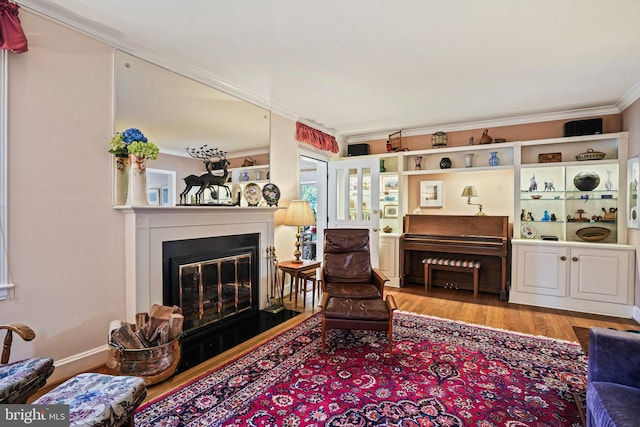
[391,303]
[24,331]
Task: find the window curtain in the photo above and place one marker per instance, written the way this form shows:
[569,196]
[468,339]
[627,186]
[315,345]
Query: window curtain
[11,35]
[316,138]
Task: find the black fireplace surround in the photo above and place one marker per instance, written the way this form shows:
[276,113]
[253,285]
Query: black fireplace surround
[218,334]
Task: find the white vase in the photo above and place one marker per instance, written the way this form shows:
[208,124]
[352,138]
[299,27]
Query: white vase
[468,159]
[137,188]
[120,180]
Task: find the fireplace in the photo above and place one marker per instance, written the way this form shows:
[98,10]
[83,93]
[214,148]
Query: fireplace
[146,231]
[211,279]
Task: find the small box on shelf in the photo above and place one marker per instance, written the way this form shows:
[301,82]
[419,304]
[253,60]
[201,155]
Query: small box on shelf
[549,157]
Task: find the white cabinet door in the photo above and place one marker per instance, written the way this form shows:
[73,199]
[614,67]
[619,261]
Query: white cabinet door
[541,269]
[354,197]
[389,257]
[600,275]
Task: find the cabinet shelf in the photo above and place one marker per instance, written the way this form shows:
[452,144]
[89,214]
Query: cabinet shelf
[600,206]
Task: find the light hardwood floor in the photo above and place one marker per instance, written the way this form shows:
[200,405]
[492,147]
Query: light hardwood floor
[485,310]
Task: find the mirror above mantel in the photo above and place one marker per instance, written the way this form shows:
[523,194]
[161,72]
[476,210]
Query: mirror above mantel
[176,112]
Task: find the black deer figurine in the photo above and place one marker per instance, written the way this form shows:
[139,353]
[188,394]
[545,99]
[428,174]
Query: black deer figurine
[208,179]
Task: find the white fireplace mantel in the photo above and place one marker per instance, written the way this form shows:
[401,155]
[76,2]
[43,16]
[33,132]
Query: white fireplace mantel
[147,227]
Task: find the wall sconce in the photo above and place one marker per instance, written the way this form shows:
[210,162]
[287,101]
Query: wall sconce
[299,214]
[469,192]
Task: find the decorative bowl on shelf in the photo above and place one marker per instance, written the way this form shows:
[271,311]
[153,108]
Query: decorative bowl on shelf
[586,181]
[536,196]
[591,155]
[593,234]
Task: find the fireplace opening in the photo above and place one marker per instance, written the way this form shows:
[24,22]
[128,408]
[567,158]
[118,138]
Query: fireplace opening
[215,281]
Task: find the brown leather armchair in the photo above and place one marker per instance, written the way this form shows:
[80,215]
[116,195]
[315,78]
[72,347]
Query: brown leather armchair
[19,380]
[353,290]
[346,270]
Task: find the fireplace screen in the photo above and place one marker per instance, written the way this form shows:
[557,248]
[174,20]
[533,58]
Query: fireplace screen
[213,290]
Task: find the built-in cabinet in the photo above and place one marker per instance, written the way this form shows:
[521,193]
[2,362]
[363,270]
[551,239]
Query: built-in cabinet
[594,278]
[552,265]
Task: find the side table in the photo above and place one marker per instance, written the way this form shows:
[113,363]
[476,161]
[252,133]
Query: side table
[295,270]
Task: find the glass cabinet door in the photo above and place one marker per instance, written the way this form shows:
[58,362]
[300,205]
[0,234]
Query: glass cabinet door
[354,188]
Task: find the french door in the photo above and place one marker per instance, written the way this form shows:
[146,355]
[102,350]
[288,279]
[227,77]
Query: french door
[353,197]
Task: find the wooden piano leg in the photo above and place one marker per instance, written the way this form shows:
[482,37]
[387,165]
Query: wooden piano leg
[427,277]
[476,279]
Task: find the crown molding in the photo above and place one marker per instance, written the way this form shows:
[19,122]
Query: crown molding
[629,98]
[508,121]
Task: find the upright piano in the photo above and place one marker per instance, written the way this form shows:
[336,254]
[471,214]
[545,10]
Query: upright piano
[481,238]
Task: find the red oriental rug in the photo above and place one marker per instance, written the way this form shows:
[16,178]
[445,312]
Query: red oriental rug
[442,373]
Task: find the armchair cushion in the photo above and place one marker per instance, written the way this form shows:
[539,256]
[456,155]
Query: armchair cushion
[352,290]
[613,404]
[613,378]
[18,380]
[346,255]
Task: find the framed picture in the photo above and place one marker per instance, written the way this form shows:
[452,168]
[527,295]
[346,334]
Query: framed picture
[633,177]
[389,184]
[164,195]
[391,211]
[153,195]
[395,141]
[431,195]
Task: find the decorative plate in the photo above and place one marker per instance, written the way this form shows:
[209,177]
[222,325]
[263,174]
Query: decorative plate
[528,231]
[271,193]
[252,194]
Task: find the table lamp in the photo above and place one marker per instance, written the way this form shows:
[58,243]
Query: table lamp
[299,214]
[469,192]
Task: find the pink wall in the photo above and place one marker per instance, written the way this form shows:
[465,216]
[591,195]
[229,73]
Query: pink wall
[631,124]
[525,132]
[65,240]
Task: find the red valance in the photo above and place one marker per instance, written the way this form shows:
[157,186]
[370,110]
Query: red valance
[11,35]
[316,138]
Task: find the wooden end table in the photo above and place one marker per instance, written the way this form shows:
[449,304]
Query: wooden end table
[295,270]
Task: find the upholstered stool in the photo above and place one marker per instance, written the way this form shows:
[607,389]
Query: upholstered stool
[349,313]
[98,399]
[19,380]
[451,264]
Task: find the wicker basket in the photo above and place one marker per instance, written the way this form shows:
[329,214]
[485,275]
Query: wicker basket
[591,155]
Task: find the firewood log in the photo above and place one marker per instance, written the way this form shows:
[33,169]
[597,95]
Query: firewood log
[175,326]
[125,337]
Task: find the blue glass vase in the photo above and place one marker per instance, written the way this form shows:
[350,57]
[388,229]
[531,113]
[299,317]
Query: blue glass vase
[494,160]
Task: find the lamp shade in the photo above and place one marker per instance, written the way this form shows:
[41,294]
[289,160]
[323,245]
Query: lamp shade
[469,191]
[299,213]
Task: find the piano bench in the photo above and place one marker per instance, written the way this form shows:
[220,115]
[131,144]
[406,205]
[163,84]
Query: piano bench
[451,264]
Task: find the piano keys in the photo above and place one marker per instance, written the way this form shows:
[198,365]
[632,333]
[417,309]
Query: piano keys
[481,238]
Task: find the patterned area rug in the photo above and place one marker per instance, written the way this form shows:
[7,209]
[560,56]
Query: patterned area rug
[442,373]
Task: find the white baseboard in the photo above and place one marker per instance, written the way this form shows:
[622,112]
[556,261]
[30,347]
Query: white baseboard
[636,313]
[73,365]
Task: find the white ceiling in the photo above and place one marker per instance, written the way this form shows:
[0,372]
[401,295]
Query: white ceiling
[360,68]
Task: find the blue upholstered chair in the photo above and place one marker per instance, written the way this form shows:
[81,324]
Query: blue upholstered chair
[19,380]
[613,379]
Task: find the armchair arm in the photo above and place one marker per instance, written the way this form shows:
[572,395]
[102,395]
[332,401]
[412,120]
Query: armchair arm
[391,303]
[379,279]
[614,356]
[24,331]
